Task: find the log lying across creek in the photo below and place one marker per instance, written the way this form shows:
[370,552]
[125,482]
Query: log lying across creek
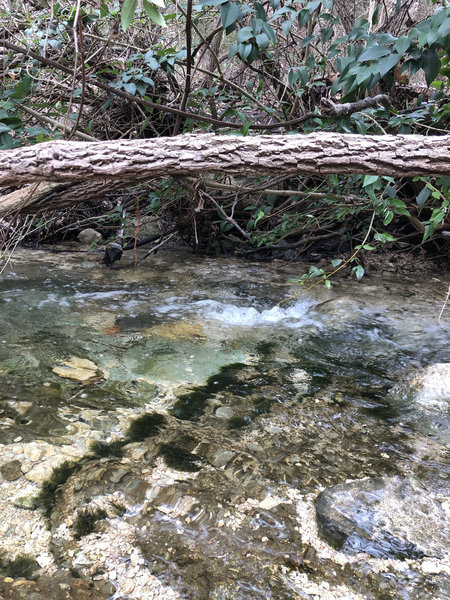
[132,161]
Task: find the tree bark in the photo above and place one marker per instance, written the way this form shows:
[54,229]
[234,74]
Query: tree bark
[315,154]
[47,197]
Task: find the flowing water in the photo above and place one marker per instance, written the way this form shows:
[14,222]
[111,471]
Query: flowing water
[261,400]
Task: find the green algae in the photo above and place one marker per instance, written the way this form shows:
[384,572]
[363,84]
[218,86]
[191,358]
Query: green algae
[239,422]
[145,426]
[51,488]
[104,449]
[177,457]
[22,565]
[86,520]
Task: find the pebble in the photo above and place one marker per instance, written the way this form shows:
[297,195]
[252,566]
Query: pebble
[430,567]
[11,470]
[36,451]
[224,412]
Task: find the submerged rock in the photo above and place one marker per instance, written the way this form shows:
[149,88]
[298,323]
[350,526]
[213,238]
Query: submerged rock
[80,369]
[11,470]
[428,388]
[383,517]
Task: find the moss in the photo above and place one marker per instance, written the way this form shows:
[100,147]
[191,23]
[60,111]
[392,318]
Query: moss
[22,566]
[86,520]
[145,426]
[119,509]
[179,458]
[52,487]
[102,449]
[238,422]
[262,406]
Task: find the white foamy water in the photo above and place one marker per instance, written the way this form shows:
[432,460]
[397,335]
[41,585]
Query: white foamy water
[244,316]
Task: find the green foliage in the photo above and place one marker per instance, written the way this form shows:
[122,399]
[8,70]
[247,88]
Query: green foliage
[129,8]
[266,63]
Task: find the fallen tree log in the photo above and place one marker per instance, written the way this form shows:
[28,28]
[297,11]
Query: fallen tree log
[138,160]
[48,197]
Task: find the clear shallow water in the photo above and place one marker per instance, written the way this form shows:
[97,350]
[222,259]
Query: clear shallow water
[307,383]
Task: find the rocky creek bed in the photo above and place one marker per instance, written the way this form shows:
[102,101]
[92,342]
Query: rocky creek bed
[168,431]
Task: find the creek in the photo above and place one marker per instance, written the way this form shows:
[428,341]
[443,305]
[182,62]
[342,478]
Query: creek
[268,416]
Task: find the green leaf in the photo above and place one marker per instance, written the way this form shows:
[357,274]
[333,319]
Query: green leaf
[431,64]
[390,191]
[328,283]
[315,272]
[422,197]
[260,11]
[387,63]
[388,218]
[370,180]
[245,50]
[369,247]
[244,34]
[127,13]
[374,53]
[159,3]
[429,230]
[230,13]
[358,272]
[262,41]
[402,44]
[153,14]
[336,262]
[130,88]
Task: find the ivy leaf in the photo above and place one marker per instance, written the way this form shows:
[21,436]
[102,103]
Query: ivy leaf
[402,44]
[260,11]
[130,88]
[388,218]
[229,13]
[244,34]
[358,272]
[262,41]
[431,65]
[374,53]
[127,13]
[387,63]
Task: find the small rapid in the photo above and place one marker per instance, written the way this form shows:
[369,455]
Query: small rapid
[230,314]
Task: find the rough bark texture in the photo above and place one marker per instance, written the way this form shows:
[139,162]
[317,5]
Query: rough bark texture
[136,160]
[47,197]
